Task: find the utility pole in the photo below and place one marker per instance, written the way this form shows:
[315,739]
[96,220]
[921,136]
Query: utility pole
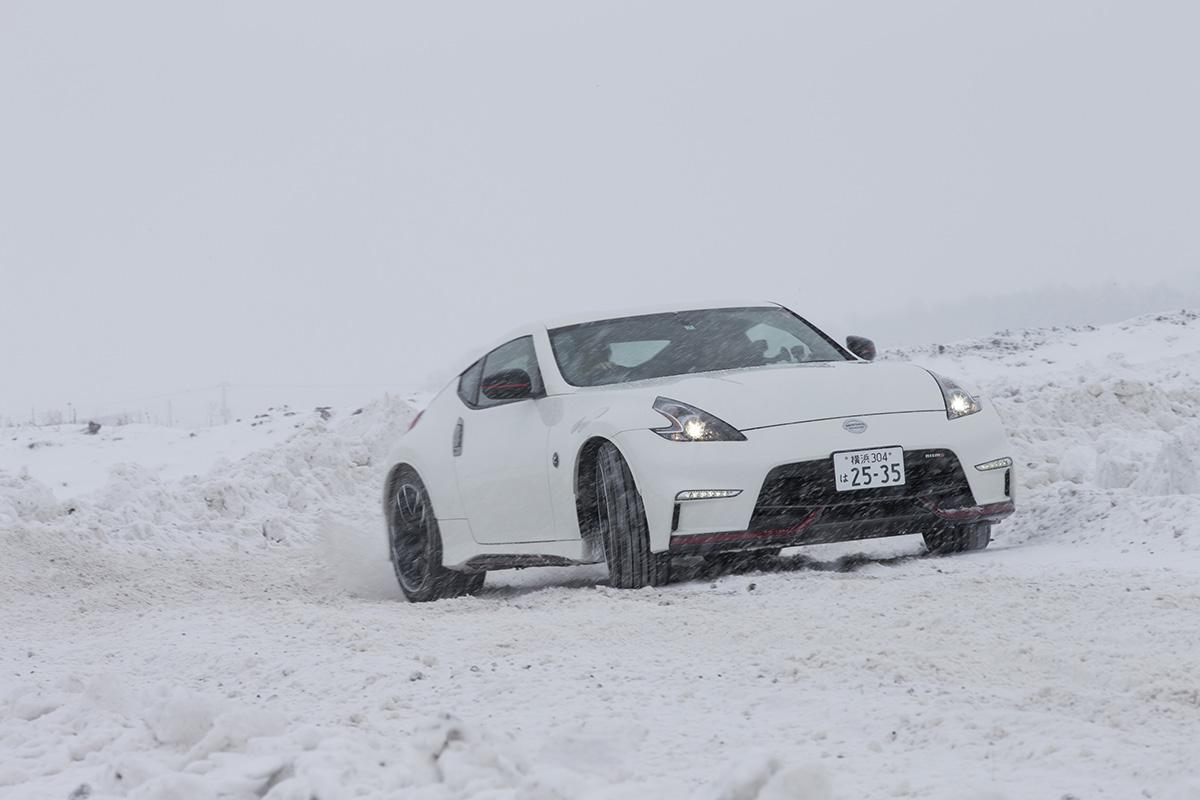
[225,403]
[170,415]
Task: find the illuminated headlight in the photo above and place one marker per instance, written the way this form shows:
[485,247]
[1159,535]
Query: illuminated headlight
[959,402]
[690,424]
[996,463]
[707,494]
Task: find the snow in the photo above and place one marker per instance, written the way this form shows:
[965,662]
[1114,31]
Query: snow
[214,616]
[72,463]
[1106,424]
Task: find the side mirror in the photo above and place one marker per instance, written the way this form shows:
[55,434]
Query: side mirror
[507,384]
[862,347]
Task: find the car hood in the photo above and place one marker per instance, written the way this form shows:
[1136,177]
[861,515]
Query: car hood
[763,396]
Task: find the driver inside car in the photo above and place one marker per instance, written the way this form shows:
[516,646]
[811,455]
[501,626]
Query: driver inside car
[595,358]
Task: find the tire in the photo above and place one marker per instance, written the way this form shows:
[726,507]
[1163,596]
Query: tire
[415,544]
[958,538]
[621,518]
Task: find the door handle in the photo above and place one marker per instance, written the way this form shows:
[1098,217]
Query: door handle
[456,441]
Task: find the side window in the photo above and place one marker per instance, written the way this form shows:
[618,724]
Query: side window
[468,384]
[517,354]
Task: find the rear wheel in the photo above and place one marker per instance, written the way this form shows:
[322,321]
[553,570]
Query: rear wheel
[621,518]
[416,545]
[958,538]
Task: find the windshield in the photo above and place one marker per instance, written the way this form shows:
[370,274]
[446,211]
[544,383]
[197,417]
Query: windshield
[679,343]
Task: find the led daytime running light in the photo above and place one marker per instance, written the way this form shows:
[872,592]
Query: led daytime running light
[707,494]
[996,463]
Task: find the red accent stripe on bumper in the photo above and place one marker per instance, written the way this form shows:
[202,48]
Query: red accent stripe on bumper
[990,511]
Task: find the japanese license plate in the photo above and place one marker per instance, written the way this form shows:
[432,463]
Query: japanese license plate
[868,469]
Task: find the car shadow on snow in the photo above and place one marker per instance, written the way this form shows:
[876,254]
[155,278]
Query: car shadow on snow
[688,569]
[750,562]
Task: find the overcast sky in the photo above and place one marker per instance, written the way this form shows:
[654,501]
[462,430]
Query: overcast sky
[359,193]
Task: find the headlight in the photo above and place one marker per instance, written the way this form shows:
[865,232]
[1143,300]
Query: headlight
[690,424]
[959,402]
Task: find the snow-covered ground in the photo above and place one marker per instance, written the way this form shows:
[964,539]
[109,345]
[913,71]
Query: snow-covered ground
[214,616]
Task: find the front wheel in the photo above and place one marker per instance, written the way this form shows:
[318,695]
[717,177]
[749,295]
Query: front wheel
[623,529]
[958,538]
[416,545]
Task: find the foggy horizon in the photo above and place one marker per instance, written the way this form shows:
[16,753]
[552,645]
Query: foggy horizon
[208,403]
[279,196]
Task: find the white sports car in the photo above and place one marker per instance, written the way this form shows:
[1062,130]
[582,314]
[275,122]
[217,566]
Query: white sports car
[684,431]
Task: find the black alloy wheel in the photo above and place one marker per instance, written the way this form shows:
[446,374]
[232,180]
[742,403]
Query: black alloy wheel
[416,545]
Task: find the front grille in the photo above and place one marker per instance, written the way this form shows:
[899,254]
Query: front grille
[793,492]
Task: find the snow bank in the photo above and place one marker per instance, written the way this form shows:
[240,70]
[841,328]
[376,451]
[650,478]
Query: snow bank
[283,494]
[1105,423]
[24,500]
[73,463]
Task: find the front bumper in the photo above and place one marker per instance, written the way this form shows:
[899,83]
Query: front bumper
[786,477]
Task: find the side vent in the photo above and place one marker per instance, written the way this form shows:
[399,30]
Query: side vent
[456,442]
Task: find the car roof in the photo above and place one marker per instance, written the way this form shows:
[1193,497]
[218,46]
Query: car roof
[667,308]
